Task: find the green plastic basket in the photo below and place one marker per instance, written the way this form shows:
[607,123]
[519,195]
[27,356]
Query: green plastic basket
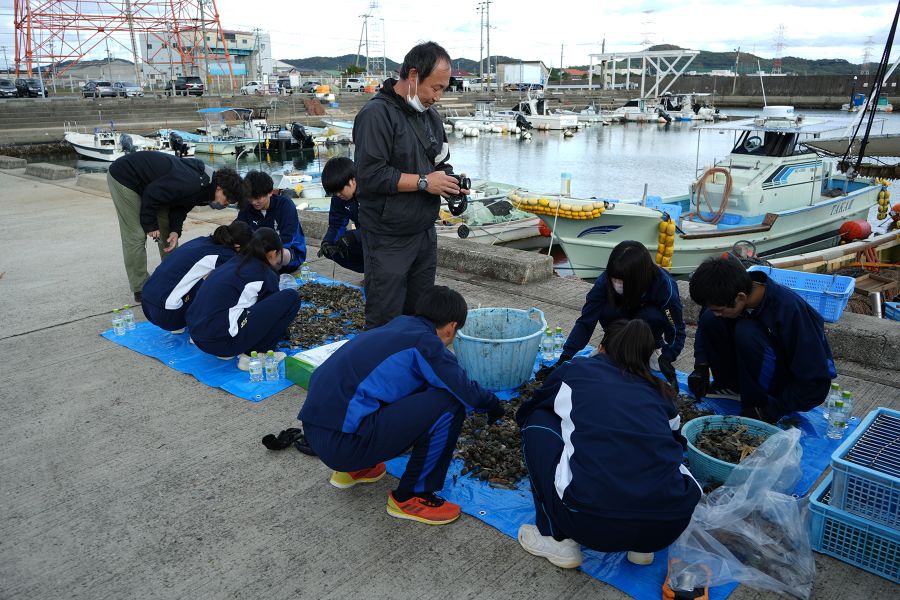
[703,466]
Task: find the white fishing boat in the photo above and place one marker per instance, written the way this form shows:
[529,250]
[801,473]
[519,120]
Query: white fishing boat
[770,190]
[110,144]
[689,107]
[485,118]
[642,110]
[536,110]
[220,137]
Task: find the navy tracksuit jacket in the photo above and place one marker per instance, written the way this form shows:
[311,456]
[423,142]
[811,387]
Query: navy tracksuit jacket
[660,308]
[175,282]
[388,389]
[340,214]
[239,309]
[282,217]
[605,459]
[777,355]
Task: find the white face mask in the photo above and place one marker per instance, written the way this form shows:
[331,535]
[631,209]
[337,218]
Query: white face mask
[414,99]
[618,286]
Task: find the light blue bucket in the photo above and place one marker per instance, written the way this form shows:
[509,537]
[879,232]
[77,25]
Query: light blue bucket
[497,347]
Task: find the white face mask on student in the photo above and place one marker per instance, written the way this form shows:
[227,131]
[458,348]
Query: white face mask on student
[414,100]
[618,285]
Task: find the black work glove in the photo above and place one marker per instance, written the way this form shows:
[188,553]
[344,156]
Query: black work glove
[344,244]
[668,371]
[543,373]
[495,413]
[698,381]
[327,250]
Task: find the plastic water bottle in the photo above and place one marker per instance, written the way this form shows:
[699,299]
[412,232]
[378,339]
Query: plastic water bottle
[304,272]
[837,420]
[128,317]
[118,323]
[565,184]
[847,398]
[547,346]
[833,394]
[255,368]
[271,366]
[559,341]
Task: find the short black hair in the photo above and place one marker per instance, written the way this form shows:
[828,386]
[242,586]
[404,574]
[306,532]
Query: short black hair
[441,305]
[718,281]
[337,173]
[233,185]
[423,58]
[260,183]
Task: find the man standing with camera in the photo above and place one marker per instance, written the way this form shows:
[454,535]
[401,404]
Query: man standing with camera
[402,172]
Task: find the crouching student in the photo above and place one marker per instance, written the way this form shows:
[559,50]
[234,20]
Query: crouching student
[342,245]
[174,284]
[604,456]
[239,308]
[760,340]
[632,287]
[267,209]
[392,388]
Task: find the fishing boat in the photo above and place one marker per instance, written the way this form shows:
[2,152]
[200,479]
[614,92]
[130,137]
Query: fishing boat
[771,190]
[110,144]
[641,110]
[536,110]
[486,118]
[219,137]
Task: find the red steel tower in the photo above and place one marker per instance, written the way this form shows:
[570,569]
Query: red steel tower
[56,34]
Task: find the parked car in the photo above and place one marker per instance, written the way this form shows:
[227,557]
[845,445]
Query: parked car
[309,87]
[8,89]
[99,89]
[355,84]
[30,88]
[252,87]
[128,89]
[284,86]
[185,86]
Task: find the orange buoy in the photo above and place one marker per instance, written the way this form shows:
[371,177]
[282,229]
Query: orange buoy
[858,229]
[544,230]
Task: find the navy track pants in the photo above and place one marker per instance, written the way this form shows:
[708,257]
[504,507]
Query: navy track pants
[354,259]
[170,320]
[261,327]
[428,421]
[542,447]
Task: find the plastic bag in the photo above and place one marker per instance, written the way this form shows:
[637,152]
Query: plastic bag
[287,282]
[751,530]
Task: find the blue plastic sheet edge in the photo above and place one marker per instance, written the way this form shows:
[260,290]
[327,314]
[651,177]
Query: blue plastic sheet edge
[506,509]
[176,352]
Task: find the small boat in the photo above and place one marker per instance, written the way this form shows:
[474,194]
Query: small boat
[109,144]
[771,190]
[642,110]
[218,137]
[688,107]
[537,112]
[486,118]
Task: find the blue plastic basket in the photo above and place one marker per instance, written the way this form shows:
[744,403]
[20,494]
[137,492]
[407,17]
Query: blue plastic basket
[852,539]
[867,469]
[892,311]
[827,294]
[703,466]
[497,346]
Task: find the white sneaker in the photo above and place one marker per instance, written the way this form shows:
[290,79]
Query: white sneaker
[720,391]
[565,554]
[640,558]
[224,357]
[244,362]
[177,331]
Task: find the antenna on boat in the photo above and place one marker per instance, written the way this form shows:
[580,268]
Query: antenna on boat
[761,84]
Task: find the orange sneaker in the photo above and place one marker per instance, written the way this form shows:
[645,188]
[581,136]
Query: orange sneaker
[425,508]
[344,480]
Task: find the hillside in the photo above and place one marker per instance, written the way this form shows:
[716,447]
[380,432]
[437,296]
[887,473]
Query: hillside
[704,62]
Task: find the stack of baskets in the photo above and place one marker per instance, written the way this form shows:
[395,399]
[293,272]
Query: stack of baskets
[855,512]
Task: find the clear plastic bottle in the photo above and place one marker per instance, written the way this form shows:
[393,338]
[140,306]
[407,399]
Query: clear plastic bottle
[118,322]
[255,368]
[547,346]
[128,317]
[565,184]
[304,272]
[847,398]
[271,366]
[559,340]
[833,394]
[837,420]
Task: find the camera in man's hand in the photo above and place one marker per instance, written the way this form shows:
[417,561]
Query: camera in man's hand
[457,203]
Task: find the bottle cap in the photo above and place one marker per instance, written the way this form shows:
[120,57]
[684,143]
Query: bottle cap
[565,175]
[835,386]
[270,353]
[839,404]
[115,310]
[127,306]
[254,353]
[845,393]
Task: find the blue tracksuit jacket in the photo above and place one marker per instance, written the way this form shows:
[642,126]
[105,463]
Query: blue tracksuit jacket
[799,332]
[381,366]
[667,325]
[339,214]
[621,457]
[227,293]
[177,279]
[282,217]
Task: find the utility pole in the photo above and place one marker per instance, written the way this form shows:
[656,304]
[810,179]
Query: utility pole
[487,4]
[108,61]
[134,50]
[561,46]
[480,9]
[737,58]
[5,61]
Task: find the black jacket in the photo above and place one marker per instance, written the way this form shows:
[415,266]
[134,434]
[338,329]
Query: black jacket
[164,180]
[386,147]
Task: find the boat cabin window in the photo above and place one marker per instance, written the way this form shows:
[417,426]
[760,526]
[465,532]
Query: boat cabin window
[766,143]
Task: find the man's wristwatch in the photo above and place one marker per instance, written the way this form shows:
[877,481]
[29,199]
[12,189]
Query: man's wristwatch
[423,183]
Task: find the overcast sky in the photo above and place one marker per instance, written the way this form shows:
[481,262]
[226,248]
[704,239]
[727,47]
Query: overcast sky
[534,30]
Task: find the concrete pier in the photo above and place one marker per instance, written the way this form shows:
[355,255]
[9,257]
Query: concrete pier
[122,478]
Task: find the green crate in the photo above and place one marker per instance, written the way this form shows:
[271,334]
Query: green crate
[298,370]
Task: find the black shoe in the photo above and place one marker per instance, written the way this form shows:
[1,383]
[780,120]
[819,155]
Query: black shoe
[137,296]
[722,391]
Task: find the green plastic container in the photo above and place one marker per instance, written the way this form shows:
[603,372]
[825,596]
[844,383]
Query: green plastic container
[298,370]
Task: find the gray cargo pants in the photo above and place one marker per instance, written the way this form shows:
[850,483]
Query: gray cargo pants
[397,270]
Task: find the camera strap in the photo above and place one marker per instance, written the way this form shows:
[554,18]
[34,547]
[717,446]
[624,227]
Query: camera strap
[425,138]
